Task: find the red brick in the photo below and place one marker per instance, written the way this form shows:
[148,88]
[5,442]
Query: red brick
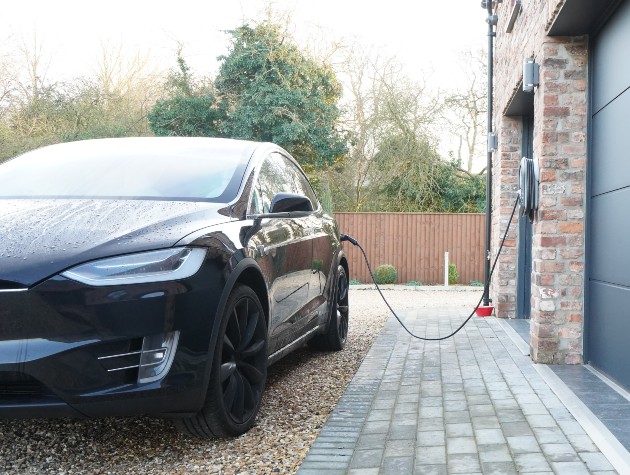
[548,176]
[572,201]
[571,227]
[556,111]
[552,241]
[550,214]
[551,266]
[551,100]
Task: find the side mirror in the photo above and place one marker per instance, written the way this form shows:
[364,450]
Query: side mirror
[288,202]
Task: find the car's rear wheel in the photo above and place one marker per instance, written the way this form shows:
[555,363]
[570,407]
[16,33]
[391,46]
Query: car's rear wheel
[337,334]
[239,371]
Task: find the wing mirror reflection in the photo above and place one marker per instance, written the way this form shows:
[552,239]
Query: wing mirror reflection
[289,202]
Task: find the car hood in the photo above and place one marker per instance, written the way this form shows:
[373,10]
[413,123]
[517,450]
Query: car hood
[40,238]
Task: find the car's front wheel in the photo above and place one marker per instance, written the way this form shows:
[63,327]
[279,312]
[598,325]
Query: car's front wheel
[239,371]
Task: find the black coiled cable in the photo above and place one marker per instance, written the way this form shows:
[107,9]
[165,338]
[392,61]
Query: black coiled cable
[528,182]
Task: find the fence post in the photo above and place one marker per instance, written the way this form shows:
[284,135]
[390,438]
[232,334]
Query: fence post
[446,269]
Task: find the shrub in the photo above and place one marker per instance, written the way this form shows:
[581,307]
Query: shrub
[354,282]
[414,283]
[453,275]
[386,274]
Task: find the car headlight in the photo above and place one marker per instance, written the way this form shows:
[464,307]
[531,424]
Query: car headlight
[152,266]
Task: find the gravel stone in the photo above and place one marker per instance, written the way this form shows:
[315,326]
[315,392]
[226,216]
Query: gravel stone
[302,390]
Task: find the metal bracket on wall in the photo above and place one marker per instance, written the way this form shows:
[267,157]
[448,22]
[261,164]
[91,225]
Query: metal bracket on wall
[531,74]
[493,142]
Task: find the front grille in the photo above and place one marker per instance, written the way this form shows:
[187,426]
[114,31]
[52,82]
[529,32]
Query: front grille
[17,386]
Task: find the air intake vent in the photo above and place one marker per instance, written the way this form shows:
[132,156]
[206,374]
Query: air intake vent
[121,359]
[141,360]
[19,386]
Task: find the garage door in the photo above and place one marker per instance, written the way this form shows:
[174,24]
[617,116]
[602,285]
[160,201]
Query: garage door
[608,316]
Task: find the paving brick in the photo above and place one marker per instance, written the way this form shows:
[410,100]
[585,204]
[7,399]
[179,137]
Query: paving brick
[489,436]
[440,469]
[523,444]
[499,468]
[534,462]
[430,424]
[369,458]
[560,453]
[399,448]
[431,438]
[572,468]
[494,453]
[363,471]
[434,455]
[516,429]
[461,445]
[463,463]
[554,435]
[397,465]
[596,461]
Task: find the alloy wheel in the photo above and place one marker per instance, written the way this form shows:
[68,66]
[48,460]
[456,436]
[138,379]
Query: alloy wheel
[243,360]
[342,305]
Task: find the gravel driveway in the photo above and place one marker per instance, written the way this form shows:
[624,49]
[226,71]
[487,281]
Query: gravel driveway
[301,392]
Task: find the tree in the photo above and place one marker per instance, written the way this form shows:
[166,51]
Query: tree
[37,112]
[266,90]
[190,108]
[272,92]
[465,110]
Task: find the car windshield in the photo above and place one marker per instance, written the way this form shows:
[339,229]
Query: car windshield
[149,168]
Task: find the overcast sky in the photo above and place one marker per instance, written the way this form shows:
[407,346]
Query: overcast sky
[424,35]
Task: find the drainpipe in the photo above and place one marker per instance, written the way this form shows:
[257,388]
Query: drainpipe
[491,21]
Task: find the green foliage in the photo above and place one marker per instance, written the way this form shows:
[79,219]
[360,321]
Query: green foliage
[476,283]
[413,177]
[385,274]
[191,108]
[266,90]
[64,112]
[414,283]
[354,282]
[460,192]
[453,275]
[185,116]
[272,92]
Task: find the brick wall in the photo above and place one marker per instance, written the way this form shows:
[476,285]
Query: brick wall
[557,306]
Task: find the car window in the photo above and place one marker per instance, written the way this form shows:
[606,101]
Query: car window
[279,175]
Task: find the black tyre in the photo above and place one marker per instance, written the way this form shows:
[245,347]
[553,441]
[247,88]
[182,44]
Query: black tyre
[337,334]
[239,371]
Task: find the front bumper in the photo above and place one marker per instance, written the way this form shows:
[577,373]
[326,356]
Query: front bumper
[67,349]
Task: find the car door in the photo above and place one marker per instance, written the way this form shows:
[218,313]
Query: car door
[321,233]
[283,250]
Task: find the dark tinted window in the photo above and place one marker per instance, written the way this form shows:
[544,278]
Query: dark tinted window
[186,169]
[279,175]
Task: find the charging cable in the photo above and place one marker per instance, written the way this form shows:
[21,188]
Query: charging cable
[345,237]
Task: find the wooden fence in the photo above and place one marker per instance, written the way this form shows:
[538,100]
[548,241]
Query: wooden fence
[415,244]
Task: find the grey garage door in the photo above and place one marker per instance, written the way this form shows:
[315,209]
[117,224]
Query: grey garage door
[608,316]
